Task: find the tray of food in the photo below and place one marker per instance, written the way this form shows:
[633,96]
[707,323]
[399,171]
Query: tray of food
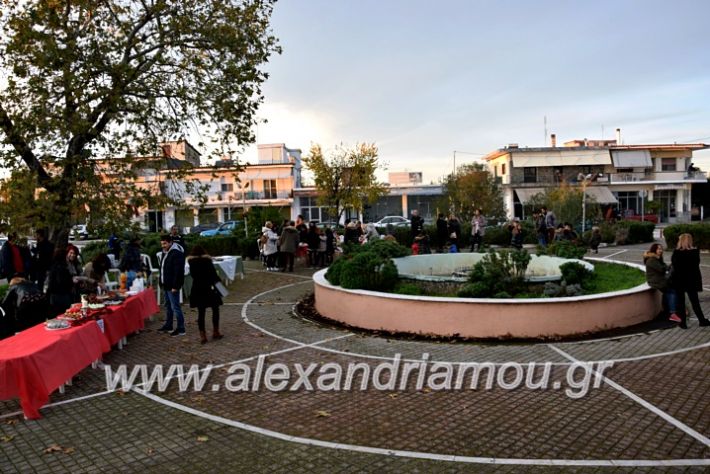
[56,325]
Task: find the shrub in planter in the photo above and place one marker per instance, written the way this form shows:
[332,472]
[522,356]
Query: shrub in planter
[408,289]
[368,271]
[574,273]
[496,273]
[637,232]
[563,248]
[700,232]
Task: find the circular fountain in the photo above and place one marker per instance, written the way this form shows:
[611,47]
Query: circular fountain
[484,317]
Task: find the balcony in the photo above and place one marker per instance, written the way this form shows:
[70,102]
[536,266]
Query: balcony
[658,176]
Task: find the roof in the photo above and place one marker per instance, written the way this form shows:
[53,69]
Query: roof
[571,149]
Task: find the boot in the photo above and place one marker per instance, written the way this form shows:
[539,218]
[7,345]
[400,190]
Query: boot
[216,335]
[203,337]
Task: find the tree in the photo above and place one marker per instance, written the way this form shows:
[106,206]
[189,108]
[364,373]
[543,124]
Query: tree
[566,202]
[473,187]
[346,179]
[88,80]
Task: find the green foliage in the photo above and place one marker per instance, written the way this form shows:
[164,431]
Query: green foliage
[497,273]
[369,271]
[471,187]
[563,248]
[566,202]
[633,232]
[613,277]
[408,289]
[346,178]
[385,249]
[335,270]
[3,291]
[574,273]
[85,80]
[500,235]
[700,232]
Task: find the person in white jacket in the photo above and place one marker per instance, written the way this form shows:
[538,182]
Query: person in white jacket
[269,239]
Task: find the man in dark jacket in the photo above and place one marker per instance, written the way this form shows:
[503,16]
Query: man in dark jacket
[42,258]
[442,232]
[417,223]
[11,261]
[288,245]
[172,277]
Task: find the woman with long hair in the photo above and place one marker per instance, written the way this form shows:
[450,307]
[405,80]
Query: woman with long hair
[203,294]
[656,276]
[686,279]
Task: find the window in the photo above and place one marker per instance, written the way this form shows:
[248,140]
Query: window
[529,175]
[227,187]
[311,211]
[269,189]
[668,164]
[502,169]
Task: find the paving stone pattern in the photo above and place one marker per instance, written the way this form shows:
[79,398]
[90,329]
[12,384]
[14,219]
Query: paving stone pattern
[128,432]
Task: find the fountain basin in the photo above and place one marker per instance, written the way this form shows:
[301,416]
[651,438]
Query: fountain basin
[486,317]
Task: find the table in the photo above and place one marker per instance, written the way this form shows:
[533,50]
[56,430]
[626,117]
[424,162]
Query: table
[129,317]
[36,361]
[230,266]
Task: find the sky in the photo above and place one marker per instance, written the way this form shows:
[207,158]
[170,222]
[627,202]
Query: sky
[423,79]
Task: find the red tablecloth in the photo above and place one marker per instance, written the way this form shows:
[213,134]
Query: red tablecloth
[119,321]
[36,362]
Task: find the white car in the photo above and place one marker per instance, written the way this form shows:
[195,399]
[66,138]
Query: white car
[396,221]
[79,232]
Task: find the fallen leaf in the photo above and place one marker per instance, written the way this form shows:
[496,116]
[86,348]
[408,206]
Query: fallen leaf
[149,451]
[69,450]
[52,448]
[12,421]
[202,439]
[322,413]
[393,395]
[7,438]
[120,393]
[426,390]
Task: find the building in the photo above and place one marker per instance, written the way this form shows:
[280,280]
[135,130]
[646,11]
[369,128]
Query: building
[226,189]
[613,174]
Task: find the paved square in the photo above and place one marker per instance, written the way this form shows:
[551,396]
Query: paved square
[650,413]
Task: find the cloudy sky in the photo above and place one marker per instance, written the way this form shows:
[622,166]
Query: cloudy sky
[422,79]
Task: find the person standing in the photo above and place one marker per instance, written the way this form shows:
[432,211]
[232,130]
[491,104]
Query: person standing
[60,284]
[478,230]
[454,232]
[442,232]
[270,238]
[686,279]
[288,243]
[417,223]
[177,238]
[203,294]
[132,262]
[11,261]
[42,258]
[656,271]
[172,277]
[550,223]
[540,228]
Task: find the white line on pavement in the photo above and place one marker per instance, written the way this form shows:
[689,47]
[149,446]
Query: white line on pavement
[652,408]
[613,254]
[423,455]
[62,402]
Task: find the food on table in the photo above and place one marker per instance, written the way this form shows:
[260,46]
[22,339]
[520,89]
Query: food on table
[57,324]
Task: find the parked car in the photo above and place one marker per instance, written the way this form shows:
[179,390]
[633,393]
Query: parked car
[81,232]
[333,225]
[223,229]
[197,229]
[396,221]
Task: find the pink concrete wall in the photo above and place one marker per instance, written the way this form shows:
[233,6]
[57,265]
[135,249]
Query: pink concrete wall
[484,318]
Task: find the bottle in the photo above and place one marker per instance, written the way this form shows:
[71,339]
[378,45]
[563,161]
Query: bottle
[123,280]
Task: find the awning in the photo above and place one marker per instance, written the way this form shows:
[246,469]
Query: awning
[601,194]
[526,194]
[269,174]
[632,159]
[571,157]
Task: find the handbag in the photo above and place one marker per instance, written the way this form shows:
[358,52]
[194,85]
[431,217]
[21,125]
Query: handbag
[221,289]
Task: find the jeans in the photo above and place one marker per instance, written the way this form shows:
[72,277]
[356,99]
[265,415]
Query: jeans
[172,306]
[669,300]
[130,276]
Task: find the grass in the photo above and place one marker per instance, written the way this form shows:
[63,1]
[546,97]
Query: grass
[613,277]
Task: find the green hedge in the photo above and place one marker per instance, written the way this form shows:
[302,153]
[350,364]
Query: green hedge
[700,232]
[636,232]
[367,267]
